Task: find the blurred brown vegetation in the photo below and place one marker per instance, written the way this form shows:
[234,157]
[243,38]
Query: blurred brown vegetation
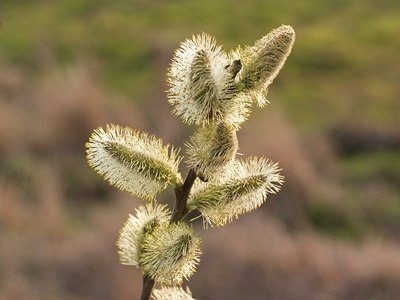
[333,125]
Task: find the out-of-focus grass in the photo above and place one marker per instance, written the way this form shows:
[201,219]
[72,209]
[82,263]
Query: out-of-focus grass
[370,204]
[342,61]
[367,168]
[336,220]
[372,182]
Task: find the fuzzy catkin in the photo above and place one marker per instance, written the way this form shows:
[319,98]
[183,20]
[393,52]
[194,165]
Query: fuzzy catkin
[263,61]
[134,162]
[202,82]
[212,149]
[172,293]
[170,253]
[144,222]
[248,187]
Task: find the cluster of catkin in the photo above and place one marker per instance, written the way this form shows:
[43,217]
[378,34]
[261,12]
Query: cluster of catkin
[214,90]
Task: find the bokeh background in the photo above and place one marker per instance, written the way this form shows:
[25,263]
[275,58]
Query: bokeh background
[69,66]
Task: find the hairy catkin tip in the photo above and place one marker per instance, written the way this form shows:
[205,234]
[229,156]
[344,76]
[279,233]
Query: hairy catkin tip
[263,61]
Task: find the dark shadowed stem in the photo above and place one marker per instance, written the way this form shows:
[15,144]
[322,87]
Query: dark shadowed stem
[147,287]
[181,195]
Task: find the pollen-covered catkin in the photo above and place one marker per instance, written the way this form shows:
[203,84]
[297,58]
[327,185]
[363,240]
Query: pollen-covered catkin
[248,187]
[200,80]
[263,61]
[212,149]
[134,162]
[172,293]
[170,253]
[131,235]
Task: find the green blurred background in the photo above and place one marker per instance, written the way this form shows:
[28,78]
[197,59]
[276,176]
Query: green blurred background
[69,66]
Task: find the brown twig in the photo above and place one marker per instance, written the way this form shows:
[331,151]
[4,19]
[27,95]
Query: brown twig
[181,197]
[147,287]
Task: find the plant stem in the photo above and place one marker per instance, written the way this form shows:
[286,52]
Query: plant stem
[181,195]
[147,287]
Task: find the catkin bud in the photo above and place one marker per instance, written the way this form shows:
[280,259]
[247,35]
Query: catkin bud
[172,293]
[247,189]
[131,235]
[212,149]
[137,163]
[263,61]
[170,253]
[201,81]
